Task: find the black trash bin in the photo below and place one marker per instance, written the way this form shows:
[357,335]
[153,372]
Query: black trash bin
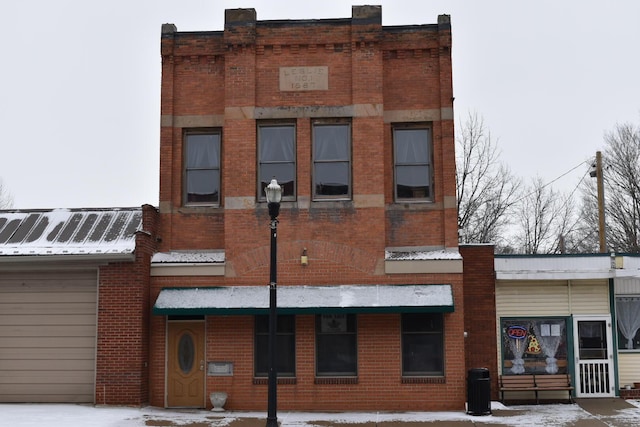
[479,392]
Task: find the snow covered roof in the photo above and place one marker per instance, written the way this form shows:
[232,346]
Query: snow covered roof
[215,257]
[69,231]
[421,255]
[306,299]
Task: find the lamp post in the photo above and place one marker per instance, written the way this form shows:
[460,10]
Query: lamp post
[274,195]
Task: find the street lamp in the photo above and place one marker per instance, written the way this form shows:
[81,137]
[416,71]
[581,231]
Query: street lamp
[274,195]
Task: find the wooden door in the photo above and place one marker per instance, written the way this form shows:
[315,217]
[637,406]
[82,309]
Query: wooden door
[185,364]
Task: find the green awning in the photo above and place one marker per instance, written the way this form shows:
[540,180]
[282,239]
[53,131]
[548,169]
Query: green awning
[226,300]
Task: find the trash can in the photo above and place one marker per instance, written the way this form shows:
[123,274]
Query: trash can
[479,392]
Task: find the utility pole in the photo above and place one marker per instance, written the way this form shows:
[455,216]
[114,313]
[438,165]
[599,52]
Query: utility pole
[597,173]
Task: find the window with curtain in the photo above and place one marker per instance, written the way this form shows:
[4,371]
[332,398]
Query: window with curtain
[202,168]
[412,167]
[331,160]
[336,345]
[277,158]
[285,346]
[628,321]
[422,344]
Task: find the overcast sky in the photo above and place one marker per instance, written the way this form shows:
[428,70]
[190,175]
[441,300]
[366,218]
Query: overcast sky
[80,84]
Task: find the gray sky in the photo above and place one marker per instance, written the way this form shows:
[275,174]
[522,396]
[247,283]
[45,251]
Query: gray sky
[80,84]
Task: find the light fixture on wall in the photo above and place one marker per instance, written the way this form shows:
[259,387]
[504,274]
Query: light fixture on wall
[304,259]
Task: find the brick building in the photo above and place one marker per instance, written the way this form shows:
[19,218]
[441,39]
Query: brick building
[355,120]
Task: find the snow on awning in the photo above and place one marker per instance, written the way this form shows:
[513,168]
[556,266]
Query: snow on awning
[306,299]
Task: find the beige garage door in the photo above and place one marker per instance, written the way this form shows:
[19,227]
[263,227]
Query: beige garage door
[47,336]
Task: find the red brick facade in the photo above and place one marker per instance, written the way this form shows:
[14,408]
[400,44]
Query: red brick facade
[122,348]
[377,77]
[480,311]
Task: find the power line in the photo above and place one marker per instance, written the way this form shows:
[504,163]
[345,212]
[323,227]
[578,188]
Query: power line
[556,179]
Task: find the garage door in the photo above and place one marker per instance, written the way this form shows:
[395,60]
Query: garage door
[47,336]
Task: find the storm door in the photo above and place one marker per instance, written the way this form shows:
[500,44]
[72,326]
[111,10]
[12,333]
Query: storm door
[594,356]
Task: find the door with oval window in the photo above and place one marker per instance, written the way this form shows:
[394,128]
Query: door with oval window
[185,365]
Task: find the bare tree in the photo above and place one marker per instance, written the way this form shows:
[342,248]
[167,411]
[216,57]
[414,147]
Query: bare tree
[486,188]
[621,173]
[545,221]
[6,199]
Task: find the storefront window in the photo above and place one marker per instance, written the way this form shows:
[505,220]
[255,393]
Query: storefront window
[534,346]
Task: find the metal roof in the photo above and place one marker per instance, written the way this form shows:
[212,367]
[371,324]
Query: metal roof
[69,231]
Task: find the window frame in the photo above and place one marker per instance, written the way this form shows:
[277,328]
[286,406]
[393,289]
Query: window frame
[186,169]
[281,334]
[261,197]
[523,326]
[315,161]
[621,339]
[351,321]
[396,128]
[406,333]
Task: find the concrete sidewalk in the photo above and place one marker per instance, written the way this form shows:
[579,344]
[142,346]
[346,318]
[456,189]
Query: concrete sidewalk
[613,412]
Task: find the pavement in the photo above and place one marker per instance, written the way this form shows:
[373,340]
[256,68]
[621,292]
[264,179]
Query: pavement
[611,412]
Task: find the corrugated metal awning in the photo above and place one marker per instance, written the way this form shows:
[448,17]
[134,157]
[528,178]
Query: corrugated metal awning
[69,231]
[306,299]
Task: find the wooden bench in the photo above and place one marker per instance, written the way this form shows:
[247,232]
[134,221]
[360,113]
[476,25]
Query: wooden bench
[517,383]
[536,383]
[552,382]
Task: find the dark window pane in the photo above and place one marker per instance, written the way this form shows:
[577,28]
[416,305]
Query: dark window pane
[336,345]
[422,354]
[203,186]
[283,172]
[332,179]
[285,345]
[337,355]
[422,344]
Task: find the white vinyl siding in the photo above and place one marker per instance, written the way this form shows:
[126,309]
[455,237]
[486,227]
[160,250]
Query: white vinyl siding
[48,335]
[559,298]
[533,298]
[628,368]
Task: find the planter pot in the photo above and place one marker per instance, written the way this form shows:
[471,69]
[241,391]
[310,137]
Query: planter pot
[218,399]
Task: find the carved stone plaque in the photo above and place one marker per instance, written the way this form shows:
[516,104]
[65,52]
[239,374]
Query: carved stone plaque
[304,78]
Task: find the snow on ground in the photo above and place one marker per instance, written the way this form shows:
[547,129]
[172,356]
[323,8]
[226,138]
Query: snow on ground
[63,415]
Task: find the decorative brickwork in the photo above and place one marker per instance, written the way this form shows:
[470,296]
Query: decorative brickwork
[375,78]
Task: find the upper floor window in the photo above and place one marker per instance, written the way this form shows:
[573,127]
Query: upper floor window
[202,168]
[422,344]
[277,158]
[336,345]
[331,160]
[412,168]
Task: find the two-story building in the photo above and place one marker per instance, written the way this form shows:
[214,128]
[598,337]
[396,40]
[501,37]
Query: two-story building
[355,121]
